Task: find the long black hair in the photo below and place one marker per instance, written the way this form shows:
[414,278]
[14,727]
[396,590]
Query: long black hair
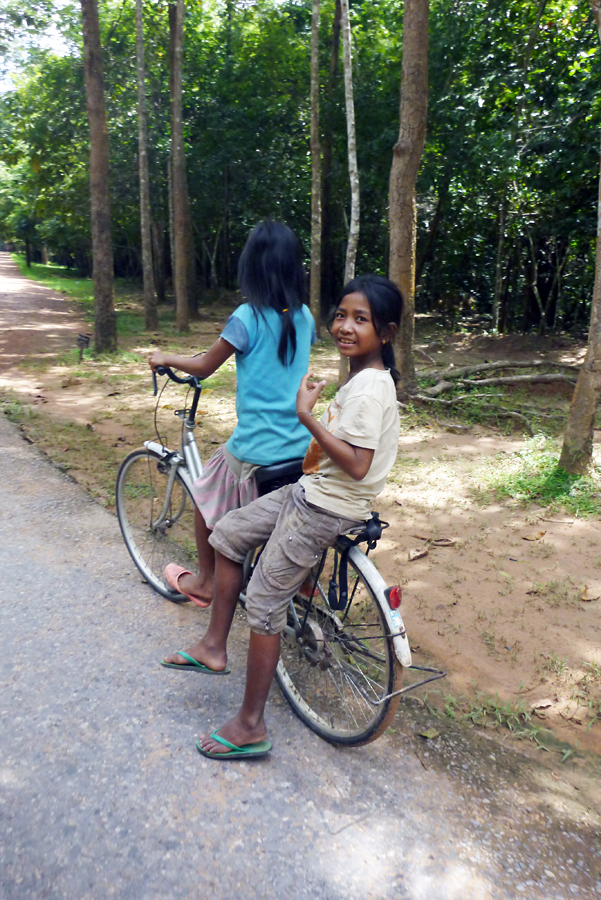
[386,305]
[271,274]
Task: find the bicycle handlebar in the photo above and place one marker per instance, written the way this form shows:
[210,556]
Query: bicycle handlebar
[192,380]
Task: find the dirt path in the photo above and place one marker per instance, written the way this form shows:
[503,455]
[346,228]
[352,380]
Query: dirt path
[34,321]
[501,614]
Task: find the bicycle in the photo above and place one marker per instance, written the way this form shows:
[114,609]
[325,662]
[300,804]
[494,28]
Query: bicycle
[344,646]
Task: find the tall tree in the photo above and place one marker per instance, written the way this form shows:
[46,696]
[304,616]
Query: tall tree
[403,175]
[353,169]
[105,324]
[183,244]
[315,289]
[150,299]
[329,278]
[577,449]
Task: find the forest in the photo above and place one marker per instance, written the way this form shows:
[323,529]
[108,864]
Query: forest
[506,190]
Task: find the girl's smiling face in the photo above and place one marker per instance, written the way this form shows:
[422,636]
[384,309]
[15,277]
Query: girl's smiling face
[354,333]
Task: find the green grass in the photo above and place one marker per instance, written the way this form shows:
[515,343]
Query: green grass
[59,278]
[531,475]
[491,712]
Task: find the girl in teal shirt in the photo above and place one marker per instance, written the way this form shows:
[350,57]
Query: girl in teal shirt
[271,335]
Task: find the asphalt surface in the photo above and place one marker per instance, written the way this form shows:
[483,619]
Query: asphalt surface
[103,793]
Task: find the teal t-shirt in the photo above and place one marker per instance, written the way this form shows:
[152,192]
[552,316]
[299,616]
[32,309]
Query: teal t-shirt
[268,430]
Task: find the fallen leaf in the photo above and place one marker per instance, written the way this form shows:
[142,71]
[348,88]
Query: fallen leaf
[534,536]
[417,553]
[421,537]
[590,593]
[443,542]
[430,733]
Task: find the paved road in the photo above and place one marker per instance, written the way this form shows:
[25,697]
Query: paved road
[103,794]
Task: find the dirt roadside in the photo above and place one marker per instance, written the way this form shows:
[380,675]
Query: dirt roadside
[496,601]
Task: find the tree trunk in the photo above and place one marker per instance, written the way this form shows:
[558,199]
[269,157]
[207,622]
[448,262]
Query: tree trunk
[496,303]
[183,281]
[315,283]
[150,301]
[403,175]
[577,449]
[105,323]
[353,170]
[329,277]
[158,260]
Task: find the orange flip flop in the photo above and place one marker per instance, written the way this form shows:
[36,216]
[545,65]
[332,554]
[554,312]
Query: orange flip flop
[173,573]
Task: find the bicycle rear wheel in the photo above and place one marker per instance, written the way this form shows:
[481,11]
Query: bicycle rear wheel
[337,669]
[156,519]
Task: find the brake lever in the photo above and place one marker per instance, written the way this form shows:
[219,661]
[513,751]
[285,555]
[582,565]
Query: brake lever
[162,371]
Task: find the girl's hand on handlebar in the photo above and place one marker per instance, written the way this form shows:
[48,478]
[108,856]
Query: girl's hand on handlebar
[308,393]
[156,358]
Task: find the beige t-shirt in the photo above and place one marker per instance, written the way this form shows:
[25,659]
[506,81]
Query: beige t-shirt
[363,413]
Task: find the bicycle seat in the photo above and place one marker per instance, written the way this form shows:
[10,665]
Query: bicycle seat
[270,478]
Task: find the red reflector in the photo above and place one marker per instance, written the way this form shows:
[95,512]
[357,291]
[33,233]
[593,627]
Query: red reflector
[393,595]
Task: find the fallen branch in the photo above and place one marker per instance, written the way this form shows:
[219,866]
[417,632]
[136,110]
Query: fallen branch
[453,372]
[550,378]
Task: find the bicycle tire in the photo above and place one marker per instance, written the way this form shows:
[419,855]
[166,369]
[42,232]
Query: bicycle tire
[157,529]
[337,673]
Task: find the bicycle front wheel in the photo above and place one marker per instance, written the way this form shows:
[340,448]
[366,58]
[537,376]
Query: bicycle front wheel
[156,515]
[338,669]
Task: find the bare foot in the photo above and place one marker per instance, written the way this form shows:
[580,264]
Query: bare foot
[196,587]
[236,733]
[201,653]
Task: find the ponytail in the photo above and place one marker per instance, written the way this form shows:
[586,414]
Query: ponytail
[389,360]
[287,345]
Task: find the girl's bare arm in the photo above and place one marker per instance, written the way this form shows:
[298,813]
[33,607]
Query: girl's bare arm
[355,461]
[200,366]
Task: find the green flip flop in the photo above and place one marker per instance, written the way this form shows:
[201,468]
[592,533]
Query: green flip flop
[193,665]
[243,752]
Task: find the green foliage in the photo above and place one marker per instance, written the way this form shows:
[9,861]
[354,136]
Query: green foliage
[532,475]
[514,113]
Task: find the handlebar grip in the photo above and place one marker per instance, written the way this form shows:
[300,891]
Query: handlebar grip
[165,370]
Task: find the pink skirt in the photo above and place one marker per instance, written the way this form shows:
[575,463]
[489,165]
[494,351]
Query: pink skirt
[219,490]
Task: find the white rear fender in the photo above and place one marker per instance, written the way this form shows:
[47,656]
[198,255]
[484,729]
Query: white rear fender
[393,616]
